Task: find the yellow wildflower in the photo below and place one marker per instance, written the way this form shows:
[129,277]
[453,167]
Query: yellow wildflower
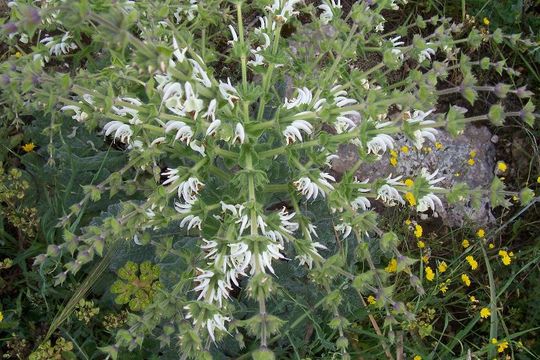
[485,21]
[473,299]
[371,300]
[421,244]
[465,243]
[470,162]
[28,147]
[418,231]
[505,257]
[430,275]
[18,54]
[393,161]
[417,357]
[538,179]
[438,145]
[392,266]
[501,166]
[425,259]
[408,222]
[481,233]
[405,149]
[472,154]
[393,153]
[466,280]
[494,340]
[1,316]
[485,313]
[409,183]
[503,345]
[442,266]
[472,262]
[491,246]
[409,196]
[444,287]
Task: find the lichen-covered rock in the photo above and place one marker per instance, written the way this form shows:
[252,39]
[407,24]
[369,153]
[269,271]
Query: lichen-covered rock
[469,158]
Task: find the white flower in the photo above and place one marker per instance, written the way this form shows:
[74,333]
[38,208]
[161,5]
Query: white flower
[344,228]
[195,146]
[199,74]
[191,221]
[234,35]
[379,27]
[189,11]
[240,256]
[361,202]
[212,287]
[79,116]
[389,195]
[397,53]
[292,132]
[212,129]
[396,41]
[327,8]
[188,189]
[259,59]
[179,54]
[121,131]
[424,131]
[340,97]
[211,111]
[59,47]
[283,13]
[193,104]
[228,92]
[183,131]
[343,123]
[304,97]
[286,225]
[310,189]
[428,202]
[239,134]
[263,259]
[311,252]
[182,208]
[379,144]
[426,54]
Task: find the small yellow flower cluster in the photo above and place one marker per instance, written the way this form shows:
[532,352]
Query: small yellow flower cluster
[28,147]
[465,243]
[421,244]
[393,158]
[391,267]
[405,149]
[501,166]
[472,262]
[471,160]
[438,145]
[486,21]
[443,288]
[418,231]
[409,196]
[481,233]
[417,357]
[506,257]
[371,300]
[466,280]
[485,313]
[501,345]
[430,275]
[442,266]
[1,316]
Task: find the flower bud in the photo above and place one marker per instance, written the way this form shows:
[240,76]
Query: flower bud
[10,28]
[5,79]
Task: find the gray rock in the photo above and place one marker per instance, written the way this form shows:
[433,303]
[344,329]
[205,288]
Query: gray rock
[451,161]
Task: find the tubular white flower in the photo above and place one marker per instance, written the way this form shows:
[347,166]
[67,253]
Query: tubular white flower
[343,123]
[304,97]
[59,46]
[283,13]
[361,202]
[396,41]
[228,92]
[233,34]
[212,129]
[199,74]
[195,146]
[327,8]
[182,208]
[79,116]
[121,131]
[191,221]
[179,54]
[311,189]
[311,253]
[183,131]
[431,178]
[344,228]
[212,287]
[426,54]
[292,132]
[425,132]
[389,195]
[428,202]
[211,111]
[287,225]
[192,104]
[263,259]
[239,134]
[189,189]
